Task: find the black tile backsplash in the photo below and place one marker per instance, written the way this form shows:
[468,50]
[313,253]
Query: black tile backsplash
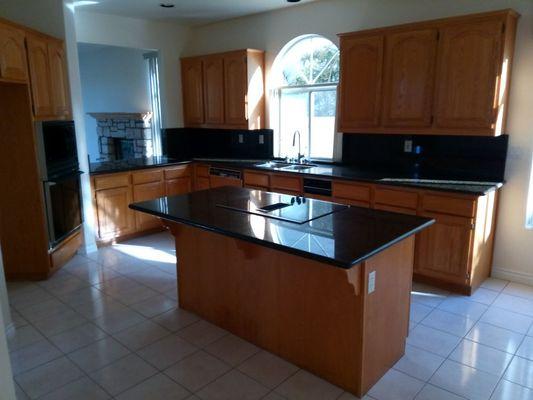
[186,143]
[437,157]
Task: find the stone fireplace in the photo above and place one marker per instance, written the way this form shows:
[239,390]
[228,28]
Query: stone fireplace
[123,135]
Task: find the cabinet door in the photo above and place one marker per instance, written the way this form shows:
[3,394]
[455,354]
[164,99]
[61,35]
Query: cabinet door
[114,216]
[214,90]
[38,62]
[235,89]
[143,192]
[410,59]
[177,186]
[12,54]
[469,65]
[59,82]
[361,79]
[201,183]
[193,91]
[443,250]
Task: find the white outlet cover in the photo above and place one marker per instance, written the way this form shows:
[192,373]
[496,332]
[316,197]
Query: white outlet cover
[261,139]
[371,282]
[408,146]
[241,138]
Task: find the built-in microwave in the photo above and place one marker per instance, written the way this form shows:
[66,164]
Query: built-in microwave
[57,148]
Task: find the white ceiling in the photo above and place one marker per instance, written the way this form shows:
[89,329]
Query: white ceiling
[185,11]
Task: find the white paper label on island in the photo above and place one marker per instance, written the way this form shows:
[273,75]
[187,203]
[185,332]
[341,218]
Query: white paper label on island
[371,282]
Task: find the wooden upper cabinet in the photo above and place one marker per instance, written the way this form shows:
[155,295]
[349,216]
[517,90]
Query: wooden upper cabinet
[469,69]
[236,89]
[410,59]
[225,90]
[214,89]
[193,91]
[360,81]
[39,66]
[60,88]
[444,77]
[13,65]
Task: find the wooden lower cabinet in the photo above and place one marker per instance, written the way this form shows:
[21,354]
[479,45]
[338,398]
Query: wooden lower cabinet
[177,186]
[143,192]
[113,215]
[113,193]
[443,251]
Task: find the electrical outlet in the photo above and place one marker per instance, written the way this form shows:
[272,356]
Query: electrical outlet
[371,282]
[261,139]
[241,138]
[408,146]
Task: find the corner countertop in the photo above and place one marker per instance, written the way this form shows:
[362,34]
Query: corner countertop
[110,167]
[343,238]
[455,184]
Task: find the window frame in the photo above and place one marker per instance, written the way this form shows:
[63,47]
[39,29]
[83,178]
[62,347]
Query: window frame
[309,90]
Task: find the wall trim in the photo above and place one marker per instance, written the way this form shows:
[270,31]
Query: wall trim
[513,276]
[10,328]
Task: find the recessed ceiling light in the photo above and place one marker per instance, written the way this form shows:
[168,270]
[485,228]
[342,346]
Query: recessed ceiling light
[166,5]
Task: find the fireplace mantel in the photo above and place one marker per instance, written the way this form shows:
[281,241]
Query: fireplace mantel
[137,116]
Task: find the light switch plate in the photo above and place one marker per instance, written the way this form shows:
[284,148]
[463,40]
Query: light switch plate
[408,146]
[241,138]
[261,139]
[371,282]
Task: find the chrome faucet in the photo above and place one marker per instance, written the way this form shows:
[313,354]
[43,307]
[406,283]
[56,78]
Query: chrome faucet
[300,156]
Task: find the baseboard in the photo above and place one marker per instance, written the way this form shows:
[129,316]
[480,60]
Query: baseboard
[514,276]
[86,249]
[10,328]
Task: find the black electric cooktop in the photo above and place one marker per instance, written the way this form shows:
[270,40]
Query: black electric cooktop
[284,207]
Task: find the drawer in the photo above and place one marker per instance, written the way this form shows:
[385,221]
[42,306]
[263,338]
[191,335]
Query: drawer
[177,172]
[202,170]
[401,210]
[284,182]
[150,175]
[256,179]
[449,205]
[111,181]
[396,198]
[351,191]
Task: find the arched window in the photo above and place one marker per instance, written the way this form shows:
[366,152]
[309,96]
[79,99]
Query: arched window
[306,74]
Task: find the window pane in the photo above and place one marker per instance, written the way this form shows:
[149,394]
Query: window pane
[310,61]
[294,116]
[323,104]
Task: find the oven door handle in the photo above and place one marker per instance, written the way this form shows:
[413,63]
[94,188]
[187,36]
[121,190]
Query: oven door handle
[62,178]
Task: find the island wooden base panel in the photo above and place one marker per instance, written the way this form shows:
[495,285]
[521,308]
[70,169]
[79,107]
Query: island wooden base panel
[314,315]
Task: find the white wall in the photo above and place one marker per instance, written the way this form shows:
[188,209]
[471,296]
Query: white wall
[43,15]
[113,79]
[7,388]
[168,39]
[271,31]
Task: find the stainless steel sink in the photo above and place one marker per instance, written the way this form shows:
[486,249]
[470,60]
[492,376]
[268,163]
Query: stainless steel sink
[273,164]
[298,167]
[285,165]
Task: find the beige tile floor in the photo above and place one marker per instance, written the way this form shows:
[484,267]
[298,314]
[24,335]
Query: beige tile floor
[106,326]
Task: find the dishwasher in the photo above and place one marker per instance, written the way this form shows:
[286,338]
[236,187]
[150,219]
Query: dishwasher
[224,177]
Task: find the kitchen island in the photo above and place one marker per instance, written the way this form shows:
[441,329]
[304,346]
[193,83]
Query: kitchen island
[323,285]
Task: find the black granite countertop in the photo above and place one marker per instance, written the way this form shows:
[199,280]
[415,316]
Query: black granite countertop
[344,236]
[383,177]
[454,184]
[109,167]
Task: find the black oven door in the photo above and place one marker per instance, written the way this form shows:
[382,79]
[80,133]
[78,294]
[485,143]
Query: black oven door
[63,207]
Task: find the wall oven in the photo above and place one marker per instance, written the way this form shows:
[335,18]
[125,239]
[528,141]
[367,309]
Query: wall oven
[60,175]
